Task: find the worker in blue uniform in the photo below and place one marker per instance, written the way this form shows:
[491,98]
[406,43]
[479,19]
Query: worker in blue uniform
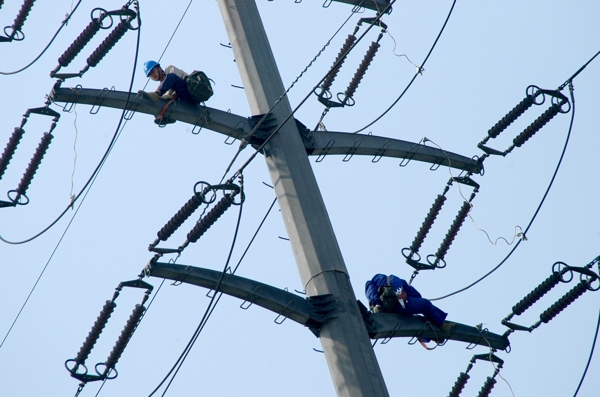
[172,80]
[391,294]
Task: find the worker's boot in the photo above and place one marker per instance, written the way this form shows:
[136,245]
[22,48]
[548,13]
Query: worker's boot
[152,96]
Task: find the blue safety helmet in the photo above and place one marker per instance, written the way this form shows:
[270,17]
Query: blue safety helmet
[148,66]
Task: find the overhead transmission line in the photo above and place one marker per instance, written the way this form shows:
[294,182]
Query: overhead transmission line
[207,313]
[419,71]
[568,82]
[89,184]
[536,211]
[62,25]
[245,140]
[587,366]
[340,60]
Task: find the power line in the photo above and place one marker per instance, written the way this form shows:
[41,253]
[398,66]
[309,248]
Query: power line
[89,183]
[419,71]
[536,211]
[62,25]
[587,366]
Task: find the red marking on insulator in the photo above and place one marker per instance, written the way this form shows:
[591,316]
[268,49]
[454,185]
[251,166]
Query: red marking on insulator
[80,42]
[338,62]
[22,15]
[108,43]
[487,387]
[209,219]
[34,163]
[511,116]
[565,301]
[459,385]
[536,125]
[94,334]
[180,217]
[10,148]
[453,231]
[362,69]
[428,222]
[124,338]
[536,294]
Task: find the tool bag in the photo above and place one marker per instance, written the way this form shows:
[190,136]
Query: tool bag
[199,86]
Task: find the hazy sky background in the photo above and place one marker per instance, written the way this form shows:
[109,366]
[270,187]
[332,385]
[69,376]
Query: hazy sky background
[487,56]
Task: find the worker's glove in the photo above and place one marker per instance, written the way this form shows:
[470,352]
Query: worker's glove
[152,96]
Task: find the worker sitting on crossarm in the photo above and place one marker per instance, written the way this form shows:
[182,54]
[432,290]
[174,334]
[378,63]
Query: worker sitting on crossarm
[391,294]
[172,81]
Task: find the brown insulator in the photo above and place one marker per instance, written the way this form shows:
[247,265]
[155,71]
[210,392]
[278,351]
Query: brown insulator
[362,69]
[511,116]
[180,217]
[536,125]
[109,42]
[209,219]
[564,301]
[10,148]
[338,62]
[536,294]
[94,334]
[22,15]
[453,231]
[80,42]
[428,222]
[34,163]
[459,384]
[487,387]
[124,338]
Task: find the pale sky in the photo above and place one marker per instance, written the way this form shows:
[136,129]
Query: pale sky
[489,53]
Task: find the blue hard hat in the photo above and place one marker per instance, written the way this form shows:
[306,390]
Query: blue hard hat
[148,66]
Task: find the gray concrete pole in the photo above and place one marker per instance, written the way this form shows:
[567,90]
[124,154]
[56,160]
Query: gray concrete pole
[350,357]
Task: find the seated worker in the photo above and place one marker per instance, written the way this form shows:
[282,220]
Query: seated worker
[391,294]
[172,80]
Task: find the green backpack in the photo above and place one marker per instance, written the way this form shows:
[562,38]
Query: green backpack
[199,86]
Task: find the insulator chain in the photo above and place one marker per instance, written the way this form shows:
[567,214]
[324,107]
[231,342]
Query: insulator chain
[487,387]
[95,332]
[181,216]
[88,33]
[128,330]
[511,116]
[537,125]
[411,253]
[535,295]
[450,236]
[80,42]
[533,93]
[428,223]
[360,73]
[18,22]
[10,148]
[199,198]
[34,164]
[587,278]
[459,385]
[564,301]
[130,327]
[339,61]
[209,219]
[463,377]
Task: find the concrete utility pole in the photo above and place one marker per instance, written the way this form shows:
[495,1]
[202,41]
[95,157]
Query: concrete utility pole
[350,357]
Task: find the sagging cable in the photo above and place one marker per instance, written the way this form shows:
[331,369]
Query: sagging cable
[18,196]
